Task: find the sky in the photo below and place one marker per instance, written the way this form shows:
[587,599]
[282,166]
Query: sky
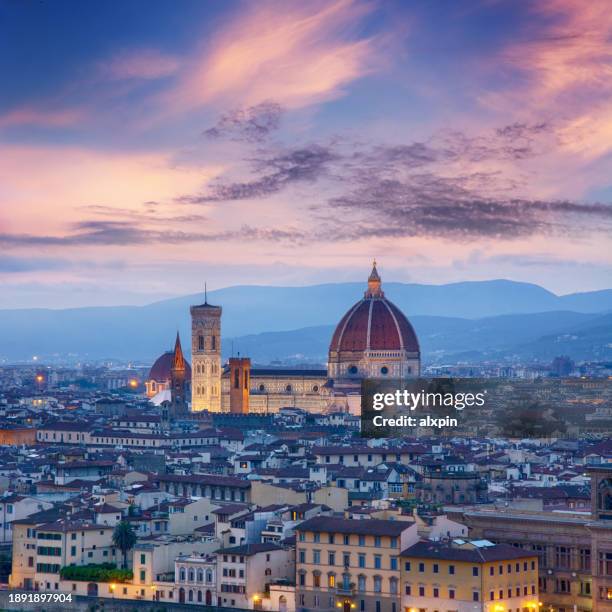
[149,146]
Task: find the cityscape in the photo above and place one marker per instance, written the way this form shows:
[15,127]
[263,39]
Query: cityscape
[306,306]
[245,487]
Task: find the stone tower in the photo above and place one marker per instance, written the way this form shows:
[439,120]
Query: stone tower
[206,357]
[178,382]
[240,380]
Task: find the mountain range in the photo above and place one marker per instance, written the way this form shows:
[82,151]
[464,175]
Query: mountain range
[471,320]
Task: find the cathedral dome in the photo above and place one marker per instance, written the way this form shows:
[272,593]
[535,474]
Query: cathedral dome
[374,339]
[162,368]
[374,324]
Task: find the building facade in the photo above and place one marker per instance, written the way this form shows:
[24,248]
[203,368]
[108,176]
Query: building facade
[469,576]
[348,564]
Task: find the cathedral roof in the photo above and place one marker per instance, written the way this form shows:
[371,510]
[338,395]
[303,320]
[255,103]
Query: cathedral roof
[162,368]
[374,323]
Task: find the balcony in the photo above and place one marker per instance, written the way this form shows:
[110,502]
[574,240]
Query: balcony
[345,589]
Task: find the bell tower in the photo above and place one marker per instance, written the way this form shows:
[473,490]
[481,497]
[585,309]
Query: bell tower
[240,375]
[178,404]
[206,357]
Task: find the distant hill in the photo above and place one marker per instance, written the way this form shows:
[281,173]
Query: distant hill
[484,315]
[444,339]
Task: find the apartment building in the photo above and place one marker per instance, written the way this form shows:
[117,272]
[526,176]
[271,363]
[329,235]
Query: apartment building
[468,575]
[244,573]
[350,564]
[41,549]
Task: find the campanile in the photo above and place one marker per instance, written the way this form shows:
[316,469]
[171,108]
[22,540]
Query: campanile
[205,357]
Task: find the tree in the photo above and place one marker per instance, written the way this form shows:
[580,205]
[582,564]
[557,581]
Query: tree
[124,539]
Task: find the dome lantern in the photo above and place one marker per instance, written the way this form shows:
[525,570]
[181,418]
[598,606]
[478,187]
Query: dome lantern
[374,284]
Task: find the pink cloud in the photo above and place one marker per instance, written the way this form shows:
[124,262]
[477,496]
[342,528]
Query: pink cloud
[295,54]
[566,66]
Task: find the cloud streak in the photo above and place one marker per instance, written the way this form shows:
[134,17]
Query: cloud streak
[297,54]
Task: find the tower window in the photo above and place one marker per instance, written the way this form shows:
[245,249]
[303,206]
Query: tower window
[246,380]
[353,370]
[262,387]
[288,388]
[214,343]
[200,343]
[384,370]
[236,378]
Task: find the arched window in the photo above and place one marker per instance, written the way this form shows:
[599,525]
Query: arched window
[288,388]
[200,342]
[182,574]
[213,341]
[268,571]
[393,585]
[153,385]
[190,595]
[191,575]
[200,576]
[262,387]
[209,576]
[200,596]
[331,581]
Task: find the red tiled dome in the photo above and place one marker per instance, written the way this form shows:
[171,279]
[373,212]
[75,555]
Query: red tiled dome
[374,323]
[162,368]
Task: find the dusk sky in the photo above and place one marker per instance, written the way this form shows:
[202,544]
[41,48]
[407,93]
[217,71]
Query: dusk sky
[149,145]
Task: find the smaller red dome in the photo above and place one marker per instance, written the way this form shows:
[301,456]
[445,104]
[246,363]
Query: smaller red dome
[162,368]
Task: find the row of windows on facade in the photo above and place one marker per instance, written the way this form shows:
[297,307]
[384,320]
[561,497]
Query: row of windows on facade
[202,390]
[370,458]
[475,569]
[192,575]
[346,584]
[391,542]
[563,556]
[203,368]
[212,343]
[563,585]
[209,492]
[421,590]
[346,560]
[191,596]
[435,591]
[288,388]
[57,552]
